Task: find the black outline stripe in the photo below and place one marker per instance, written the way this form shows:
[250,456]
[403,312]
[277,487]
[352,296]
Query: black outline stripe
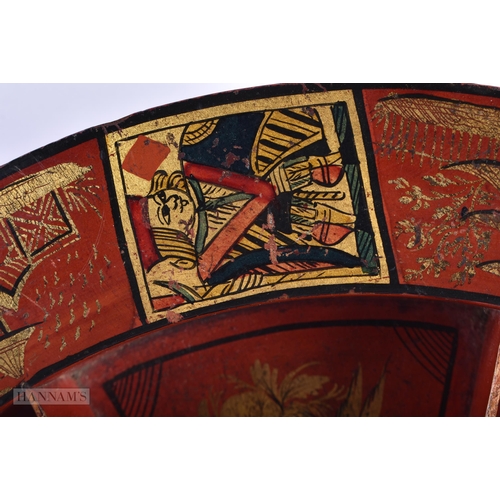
[287,132]
[119,230]
[375,188]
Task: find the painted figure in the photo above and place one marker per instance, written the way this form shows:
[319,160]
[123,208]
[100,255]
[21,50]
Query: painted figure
[243,202]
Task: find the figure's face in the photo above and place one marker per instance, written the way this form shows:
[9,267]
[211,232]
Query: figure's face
[174,209]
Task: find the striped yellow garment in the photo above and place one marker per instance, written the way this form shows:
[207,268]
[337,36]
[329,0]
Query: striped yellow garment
[173,243]
[283,133]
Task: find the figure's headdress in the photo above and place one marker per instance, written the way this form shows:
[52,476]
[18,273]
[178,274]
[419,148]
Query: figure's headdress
[162,180]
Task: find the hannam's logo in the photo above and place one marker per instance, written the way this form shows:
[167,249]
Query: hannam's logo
[51,396]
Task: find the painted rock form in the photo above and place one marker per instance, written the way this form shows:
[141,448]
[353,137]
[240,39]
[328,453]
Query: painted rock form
[294,250]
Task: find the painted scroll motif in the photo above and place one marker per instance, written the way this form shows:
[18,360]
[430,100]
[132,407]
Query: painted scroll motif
[438,159]
[58,257]
[35,223]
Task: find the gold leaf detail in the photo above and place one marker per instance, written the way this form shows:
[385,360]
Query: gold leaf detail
[492,267]
[12,353]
